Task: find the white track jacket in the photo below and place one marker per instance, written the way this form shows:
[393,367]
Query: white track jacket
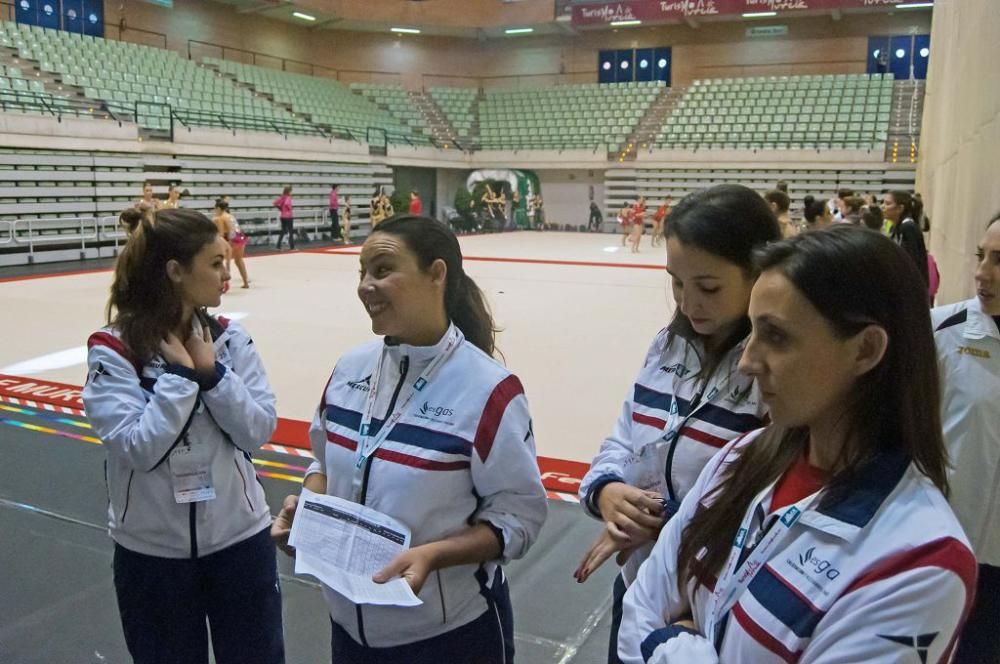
[463,453]
[728,406]
[142,412]
[883,575]
[968,345]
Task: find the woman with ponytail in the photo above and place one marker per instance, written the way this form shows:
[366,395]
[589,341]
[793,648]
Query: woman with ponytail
[181,401]
[448,450]
[826,536]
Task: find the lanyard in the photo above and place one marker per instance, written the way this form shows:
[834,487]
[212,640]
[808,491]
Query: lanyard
[676,422]
[367,445]
[736,575]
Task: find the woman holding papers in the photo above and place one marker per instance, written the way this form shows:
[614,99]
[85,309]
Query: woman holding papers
[427,428]
[689,398]
[181,401]
[825,537]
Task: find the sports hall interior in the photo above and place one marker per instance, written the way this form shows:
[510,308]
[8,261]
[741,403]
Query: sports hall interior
[598,101]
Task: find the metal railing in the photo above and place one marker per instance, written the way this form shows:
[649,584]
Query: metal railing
[55,106]
[31,232]
[265,59]
[45,234]
[234,122]
[38,236]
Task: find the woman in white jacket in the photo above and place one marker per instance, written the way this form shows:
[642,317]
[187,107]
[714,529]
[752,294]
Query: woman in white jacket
[967,335]
[449,452]
[181,401]
[825,537]
[689,399]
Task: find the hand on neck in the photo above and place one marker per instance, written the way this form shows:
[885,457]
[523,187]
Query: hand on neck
[183,329]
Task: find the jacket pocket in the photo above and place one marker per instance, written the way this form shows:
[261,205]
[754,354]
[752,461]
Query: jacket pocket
[243,479]
[128,494]
[444,610]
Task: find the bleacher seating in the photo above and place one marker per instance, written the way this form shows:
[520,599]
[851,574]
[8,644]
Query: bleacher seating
[144,83]
[624,185]
[458,106]
[396,100]
[326,101]
[63,205]
[587,116]
[833,112]
[156,87]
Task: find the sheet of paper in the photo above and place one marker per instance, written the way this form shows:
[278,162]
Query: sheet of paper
[343,544]
[647,469]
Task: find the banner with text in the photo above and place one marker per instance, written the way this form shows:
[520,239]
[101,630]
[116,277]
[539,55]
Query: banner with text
[599,13]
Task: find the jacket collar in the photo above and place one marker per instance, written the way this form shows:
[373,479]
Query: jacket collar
[979,325]
[861,499]
[420,354]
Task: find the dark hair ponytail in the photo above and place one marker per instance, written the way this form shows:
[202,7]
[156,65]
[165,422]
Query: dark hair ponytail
[812,209]
[463,300]
[905,200]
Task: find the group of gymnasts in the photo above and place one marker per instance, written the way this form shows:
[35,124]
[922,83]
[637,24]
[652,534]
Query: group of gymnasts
[781,485]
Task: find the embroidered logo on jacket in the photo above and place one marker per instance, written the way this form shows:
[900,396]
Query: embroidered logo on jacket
[919,642]
[438,414]
[363,385]
[436,411]
[812,563]
[974,352]
[676,368]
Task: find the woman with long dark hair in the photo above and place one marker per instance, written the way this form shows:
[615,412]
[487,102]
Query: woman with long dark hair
[447,449]
[827,536]
[180,400]
[900,209]
[689,399]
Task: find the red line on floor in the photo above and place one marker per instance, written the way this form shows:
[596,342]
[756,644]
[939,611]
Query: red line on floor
[93,270]
[47,275]
[530,261]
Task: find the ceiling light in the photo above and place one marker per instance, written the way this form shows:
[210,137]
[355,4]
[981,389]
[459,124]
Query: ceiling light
[916,5]
[518,31]
[405,31]
[759,14]
[304,17]
[622,24]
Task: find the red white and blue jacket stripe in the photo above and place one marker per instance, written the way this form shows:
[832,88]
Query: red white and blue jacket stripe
[881,573]
[673,369]
[141,411]
[464,452]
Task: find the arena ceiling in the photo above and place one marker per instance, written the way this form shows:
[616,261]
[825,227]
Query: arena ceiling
[493,18]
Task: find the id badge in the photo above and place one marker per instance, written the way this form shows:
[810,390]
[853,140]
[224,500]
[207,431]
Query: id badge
[646,470]
[191,473]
